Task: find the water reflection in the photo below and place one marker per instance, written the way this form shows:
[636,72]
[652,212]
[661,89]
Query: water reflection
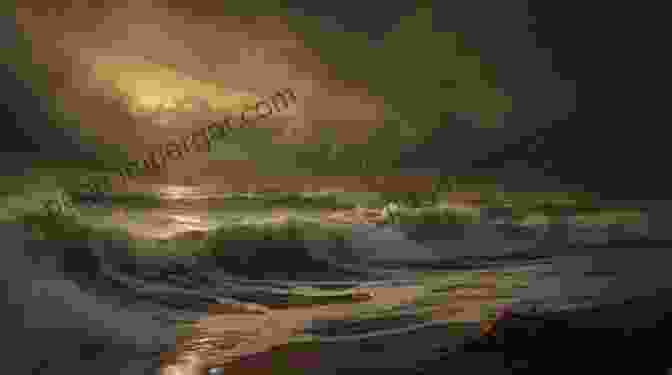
[165,223]
[175,192]
[189,211]
[183,210]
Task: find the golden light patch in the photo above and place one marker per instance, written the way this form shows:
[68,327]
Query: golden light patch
[150,87]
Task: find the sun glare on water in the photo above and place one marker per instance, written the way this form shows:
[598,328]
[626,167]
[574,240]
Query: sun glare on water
[173,192]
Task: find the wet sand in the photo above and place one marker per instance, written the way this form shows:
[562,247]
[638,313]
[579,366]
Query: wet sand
[226,337]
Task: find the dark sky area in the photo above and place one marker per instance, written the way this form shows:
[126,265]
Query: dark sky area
[582,115]
[580,75]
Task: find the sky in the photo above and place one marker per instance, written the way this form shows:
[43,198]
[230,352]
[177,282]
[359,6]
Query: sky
[175,56]
[96,53]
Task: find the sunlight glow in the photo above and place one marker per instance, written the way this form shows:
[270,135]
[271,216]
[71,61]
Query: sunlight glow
[151,87]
